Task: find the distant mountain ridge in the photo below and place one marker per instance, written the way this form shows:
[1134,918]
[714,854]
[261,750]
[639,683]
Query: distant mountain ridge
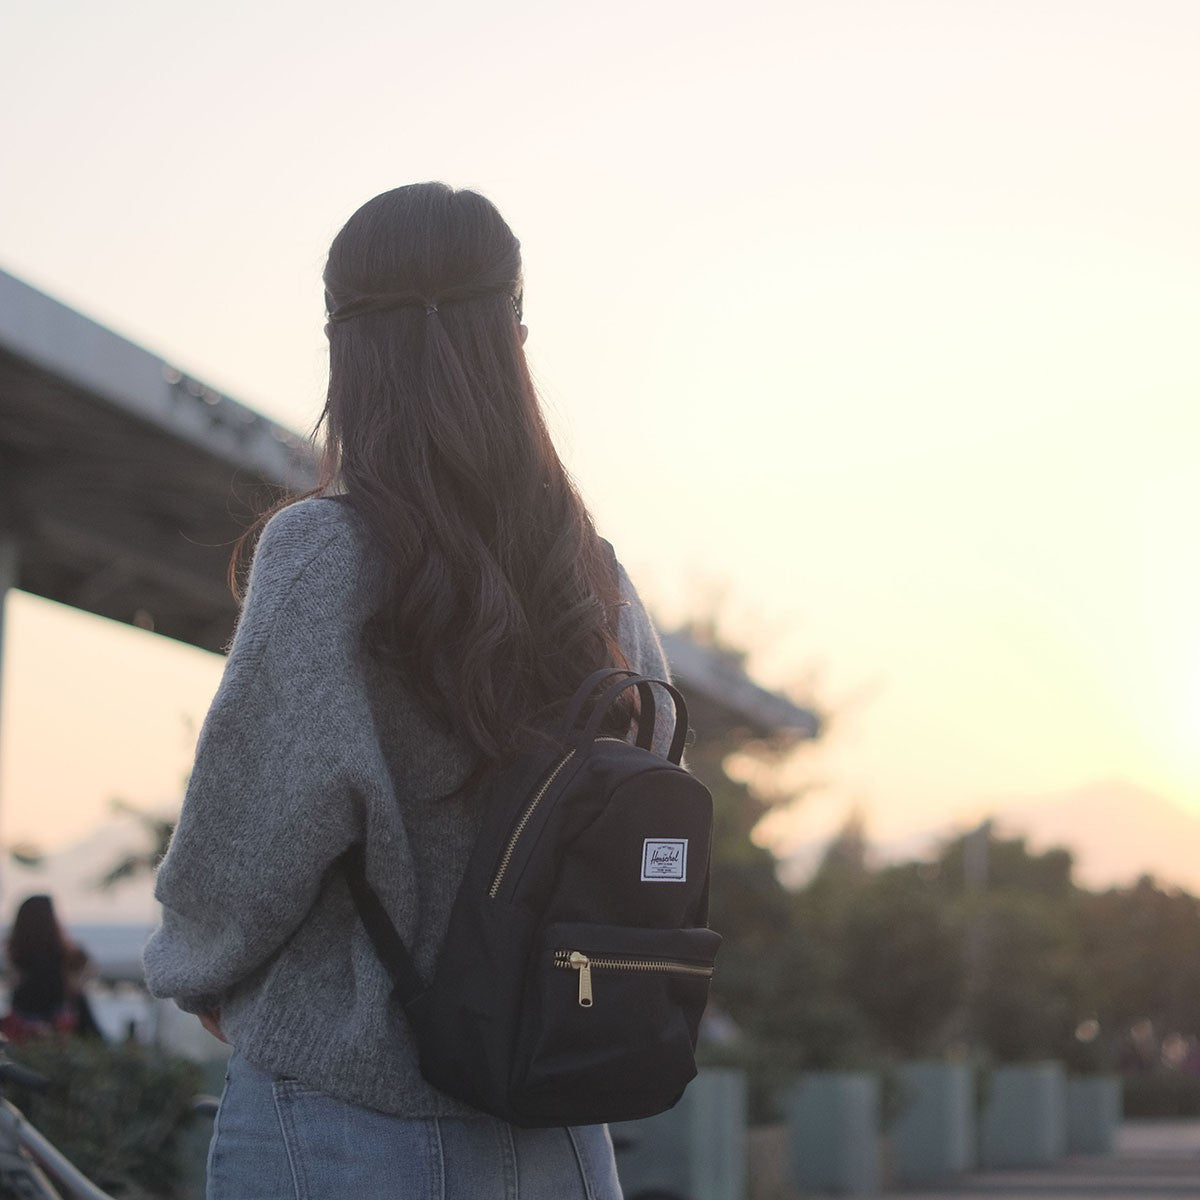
[1117,831]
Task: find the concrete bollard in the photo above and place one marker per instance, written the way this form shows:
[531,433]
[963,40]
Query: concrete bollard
[1093,1113]
[1024,1120]
[833,1130]
[935,1133]
[696,1150]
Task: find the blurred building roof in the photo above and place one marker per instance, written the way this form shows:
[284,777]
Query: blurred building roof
[720,693]
[125,483]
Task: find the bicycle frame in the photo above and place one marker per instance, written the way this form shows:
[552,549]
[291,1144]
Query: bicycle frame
[26,1158]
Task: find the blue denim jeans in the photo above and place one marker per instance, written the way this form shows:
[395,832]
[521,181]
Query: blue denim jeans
[278,1139]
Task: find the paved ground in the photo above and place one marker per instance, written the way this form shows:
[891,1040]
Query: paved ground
[1155,1160]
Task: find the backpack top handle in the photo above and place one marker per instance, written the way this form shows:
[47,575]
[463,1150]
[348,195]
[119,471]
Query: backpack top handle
[645,727]
[645,718]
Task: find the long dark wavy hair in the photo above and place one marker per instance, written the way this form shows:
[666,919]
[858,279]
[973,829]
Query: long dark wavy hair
[499,596]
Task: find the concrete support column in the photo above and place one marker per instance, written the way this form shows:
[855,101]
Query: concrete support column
[834,1123]
[8,579]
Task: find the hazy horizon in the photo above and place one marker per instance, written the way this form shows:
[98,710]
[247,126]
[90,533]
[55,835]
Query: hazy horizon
[1155,835]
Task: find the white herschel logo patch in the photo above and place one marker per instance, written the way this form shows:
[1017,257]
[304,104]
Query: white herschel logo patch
[664,860]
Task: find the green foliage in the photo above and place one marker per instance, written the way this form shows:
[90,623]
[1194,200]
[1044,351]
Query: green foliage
[902,962]
[117,1112]
[1011,867]
[1142,946]
[1008,957]
[1025,989]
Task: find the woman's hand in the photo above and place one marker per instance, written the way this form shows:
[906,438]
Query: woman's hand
[211,1021]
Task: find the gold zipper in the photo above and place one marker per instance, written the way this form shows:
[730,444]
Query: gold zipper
[519,828]
[576,960]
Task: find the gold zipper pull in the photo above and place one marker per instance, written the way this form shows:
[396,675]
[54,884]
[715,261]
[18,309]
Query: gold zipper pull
[583,965]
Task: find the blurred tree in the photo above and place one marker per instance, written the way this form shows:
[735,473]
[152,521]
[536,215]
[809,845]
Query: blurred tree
[1025,987]
[1026,995]
[1011,866]
[902,961]
[157,828]
[158,831]
[844,861]
[1142,947]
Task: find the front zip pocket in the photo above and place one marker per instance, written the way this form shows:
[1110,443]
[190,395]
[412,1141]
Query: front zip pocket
[610,1017]
[585,964]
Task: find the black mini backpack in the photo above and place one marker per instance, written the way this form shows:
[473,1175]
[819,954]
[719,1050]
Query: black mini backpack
[576,964]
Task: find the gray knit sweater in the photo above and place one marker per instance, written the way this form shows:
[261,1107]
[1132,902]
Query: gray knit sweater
[308,747]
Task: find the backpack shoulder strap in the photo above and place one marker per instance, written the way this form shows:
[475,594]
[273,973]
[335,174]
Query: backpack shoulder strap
[389,945]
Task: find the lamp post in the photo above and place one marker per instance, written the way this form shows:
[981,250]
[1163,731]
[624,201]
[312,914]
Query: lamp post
[976,847]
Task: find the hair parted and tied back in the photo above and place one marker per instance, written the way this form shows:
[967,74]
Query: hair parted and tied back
[498,595]
[399,300]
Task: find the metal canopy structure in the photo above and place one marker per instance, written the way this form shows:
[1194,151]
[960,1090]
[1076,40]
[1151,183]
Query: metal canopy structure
[124,484]
[720,694]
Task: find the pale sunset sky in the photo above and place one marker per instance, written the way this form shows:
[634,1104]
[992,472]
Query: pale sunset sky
[892,306]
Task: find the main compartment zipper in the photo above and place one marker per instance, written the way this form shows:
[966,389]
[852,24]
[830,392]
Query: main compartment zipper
[576,960]
[527,815]
[519,827]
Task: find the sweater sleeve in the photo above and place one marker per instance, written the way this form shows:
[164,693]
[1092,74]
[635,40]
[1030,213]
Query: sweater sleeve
[271,799]
[639,640]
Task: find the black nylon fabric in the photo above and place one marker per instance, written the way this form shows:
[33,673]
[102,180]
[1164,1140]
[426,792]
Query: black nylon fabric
[600,850]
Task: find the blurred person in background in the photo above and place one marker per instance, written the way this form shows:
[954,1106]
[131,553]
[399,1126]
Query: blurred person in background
[48,972]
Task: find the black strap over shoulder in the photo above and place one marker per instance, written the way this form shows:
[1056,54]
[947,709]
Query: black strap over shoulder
[584,693]
[389,945]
